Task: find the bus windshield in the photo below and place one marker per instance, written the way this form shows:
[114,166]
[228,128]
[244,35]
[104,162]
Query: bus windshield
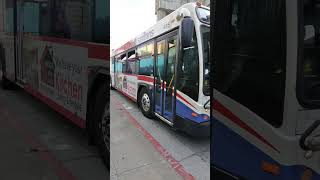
[205,33]
[311,51]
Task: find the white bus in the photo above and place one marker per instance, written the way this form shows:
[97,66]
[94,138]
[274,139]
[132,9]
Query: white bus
[166,69]
[58,51]
[266,89]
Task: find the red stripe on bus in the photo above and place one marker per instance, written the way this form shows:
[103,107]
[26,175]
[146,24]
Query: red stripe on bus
[146,78]
[227,113]
[58,108]
[163,152]
[182,98]
[94,50]
[61,41]
[141,77]
[99,52]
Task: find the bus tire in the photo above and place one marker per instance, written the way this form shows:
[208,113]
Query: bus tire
[101,123]
[145,103]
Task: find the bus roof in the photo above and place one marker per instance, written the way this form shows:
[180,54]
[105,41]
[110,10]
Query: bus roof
[168,23]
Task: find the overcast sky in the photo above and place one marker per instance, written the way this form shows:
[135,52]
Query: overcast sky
[129,18]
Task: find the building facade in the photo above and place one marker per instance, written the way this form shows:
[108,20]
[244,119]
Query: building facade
[165,7]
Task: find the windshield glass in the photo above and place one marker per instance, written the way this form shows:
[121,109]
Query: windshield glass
[205,33]
[311,51]
[203,15]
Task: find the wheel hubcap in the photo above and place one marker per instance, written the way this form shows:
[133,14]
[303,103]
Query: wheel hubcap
[145,102]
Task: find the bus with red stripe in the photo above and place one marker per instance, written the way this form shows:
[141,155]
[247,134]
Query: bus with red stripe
[166,69]
[58,51]
[265,113]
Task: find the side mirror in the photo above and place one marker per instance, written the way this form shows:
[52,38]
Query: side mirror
[309,32]
[186,32]
[310,144]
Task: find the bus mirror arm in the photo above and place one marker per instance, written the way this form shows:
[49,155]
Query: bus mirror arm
[310,144]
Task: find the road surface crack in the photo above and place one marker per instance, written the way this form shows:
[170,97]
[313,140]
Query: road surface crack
[129,170]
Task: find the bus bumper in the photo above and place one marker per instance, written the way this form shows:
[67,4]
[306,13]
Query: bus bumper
[192,128]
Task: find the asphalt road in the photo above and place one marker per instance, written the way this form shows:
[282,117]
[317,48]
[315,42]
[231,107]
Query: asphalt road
[37,143]
[193,154]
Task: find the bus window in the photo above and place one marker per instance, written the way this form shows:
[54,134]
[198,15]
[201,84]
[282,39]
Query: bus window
[69,19]
[123,59]
[112,65]
[31,18]
[253,71]
[118,67]
[118,64]
[132,63]
[145,55]
[171,62]
[160,60]
[102,18]
[8,26]
[188,81]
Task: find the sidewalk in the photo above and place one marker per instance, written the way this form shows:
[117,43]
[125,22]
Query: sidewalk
[21,157]
[39,144]
[133,157]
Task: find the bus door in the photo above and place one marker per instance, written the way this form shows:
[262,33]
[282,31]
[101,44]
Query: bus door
[26,23]
[112,71]
[164,76]
[19,40]
[8,40]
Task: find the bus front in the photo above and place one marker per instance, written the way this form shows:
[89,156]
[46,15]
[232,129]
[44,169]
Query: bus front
[192,82]
[266,89]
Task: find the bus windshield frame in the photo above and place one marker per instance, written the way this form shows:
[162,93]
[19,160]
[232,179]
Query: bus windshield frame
[205,38]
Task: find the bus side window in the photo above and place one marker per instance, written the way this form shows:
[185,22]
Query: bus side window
[101,23]
[69,19]
[145,56]
[31,17]
[123,59]
[118,64]
[132,63]
[9,15]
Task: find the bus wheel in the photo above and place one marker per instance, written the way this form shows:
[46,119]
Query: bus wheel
[145,103]
[102,123]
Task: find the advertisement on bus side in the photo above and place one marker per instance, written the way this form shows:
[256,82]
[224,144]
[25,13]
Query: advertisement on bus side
[57,73]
